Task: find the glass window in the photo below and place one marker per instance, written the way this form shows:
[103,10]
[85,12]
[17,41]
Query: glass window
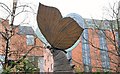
[89,22]
[2,57]
[117,36]
[30,39]
[2,60]
[69,56]
[41,64]
[51,66]
[34,60]
[86,51]
[104,53]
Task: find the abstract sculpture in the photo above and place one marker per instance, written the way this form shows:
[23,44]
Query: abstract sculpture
[61,33]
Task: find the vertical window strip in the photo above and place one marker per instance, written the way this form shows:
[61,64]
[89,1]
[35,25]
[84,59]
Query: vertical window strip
[86,51]
[2,60]
[104,53]
[69,56]
[117,38]
[41,62]
[30,39]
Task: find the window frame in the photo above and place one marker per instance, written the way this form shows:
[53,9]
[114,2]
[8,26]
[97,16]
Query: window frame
[30,40]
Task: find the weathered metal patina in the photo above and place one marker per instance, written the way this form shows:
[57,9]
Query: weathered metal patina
[60,32]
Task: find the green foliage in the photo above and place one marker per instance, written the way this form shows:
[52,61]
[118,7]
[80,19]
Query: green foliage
[24,66]
[6,71]
[28,66]
[77,70]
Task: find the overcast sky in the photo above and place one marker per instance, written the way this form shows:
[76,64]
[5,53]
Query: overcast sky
[86,8]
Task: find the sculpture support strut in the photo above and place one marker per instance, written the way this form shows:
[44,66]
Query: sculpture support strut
[61,63]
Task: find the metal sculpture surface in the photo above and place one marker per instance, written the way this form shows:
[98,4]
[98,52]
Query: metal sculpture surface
[81,23]
[60,32]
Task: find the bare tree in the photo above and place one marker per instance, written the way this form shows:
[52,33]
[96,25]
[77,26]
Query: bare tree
[8,31]
[103,56]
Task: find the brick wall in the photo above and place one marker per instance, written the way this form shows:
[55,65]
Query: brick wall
[95,52]
[18,47]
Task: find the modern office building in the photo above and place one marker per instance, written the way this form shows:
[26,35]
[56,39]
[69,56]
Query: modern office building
[23,40]
[97,47]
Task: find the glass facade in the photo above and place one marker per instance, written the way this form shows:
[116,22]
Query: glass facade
[41,62]
[1,60]
[118,41]
[104,53]
[34,60]
[69,56]
[86,51]
[30,39]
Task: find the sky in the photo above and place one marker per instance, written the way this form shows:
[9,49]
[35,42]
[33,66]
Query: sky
[85,8]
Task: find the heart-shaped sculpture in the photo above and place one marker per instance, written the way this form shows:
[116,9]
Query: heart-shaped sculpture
[61,33]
